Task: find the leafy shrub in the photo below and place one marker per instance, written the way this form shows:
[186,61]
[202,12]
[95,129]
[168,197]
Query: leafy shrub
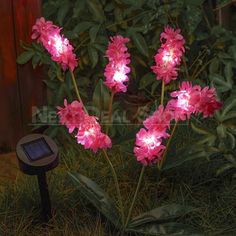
[210,60]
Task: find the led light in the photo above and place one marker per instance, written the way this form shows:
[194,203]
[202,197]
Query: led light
[58,43]
[168,57]
[183,100]
[119,76]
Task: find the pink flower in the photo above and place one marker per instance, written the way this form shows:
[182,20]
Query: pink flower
[42,29]
[206,102]
[183,106]
[116,70]
[148,147]
[90,135]
[57,45]
[193,99]
[169,55]
[71,115]
[89,132]
[173,38]
[159,120]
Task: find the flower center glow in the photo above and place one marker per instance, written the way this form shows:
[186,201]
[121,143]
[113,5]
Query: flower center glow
[119,76]
[90,131]
[58,43]
[151,141]
[168,57]
[183,100]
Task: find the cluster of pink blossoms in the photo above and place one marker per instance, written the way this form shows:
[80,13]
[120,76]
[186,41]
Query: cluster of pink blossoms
[116,70]
[89,132]
[187,100]
[169,55]
[148,146]
[192,100]
[56,44]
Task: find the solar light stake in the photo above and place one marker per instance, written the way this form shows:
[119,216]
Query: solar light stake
[45,198]
[38,154]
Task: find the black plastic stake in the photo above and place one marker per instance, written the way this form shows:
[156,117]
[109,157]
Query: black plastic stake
[45,198]
[37,154]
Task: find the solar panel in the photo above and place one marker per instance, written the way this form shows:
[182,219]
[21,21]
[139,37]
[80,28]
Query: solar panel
[37,149]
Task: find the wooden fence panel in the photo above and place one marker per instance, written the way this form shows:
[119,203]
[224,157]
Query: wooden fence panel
[20,86]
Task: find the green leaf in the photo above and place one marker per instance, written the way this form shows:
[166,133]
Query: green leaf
[193,20]
[168,229]
[220,83]
[53,85]
[214,66]
[93,32]
[221,131]
[95,195]
[96,10]
[63,10]
[93,55]
[200,130]
[160,214]
[125,138]
[82,27]
[224,168]
[183,157]
[35,60]
[146,80]
[101,96]
[25,57]
[140,43]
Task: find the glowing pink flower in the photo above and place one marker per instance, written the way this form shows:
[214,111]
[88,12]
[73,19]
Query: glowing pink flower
[173,38]
[206,102]
[116,70]
[56,44]
[159,120]
[42,29]
[89,132]
[183,106]
[148,147]
[90,135]
[169,55]
[193,99]
[71,115]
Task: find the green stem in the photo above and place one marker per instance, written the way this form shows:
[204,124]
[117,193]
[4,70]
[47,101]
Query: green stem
[135,196]
[162,92]
[77,90]
[186,68]
[104,151]
[116,185]
[110,112]
[167,146]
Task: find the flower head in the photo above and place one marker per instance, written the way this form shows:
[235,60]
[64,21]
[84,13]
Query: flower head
[148,148]
[90,135]
[169,55]
[71,115]
[56,44]
[116,70]
[89,132]
[191,99]
[183,106]
[159,120]
[207,102]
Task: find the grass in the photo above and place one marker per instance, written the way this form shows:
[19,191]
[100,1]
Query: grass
[196,185]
